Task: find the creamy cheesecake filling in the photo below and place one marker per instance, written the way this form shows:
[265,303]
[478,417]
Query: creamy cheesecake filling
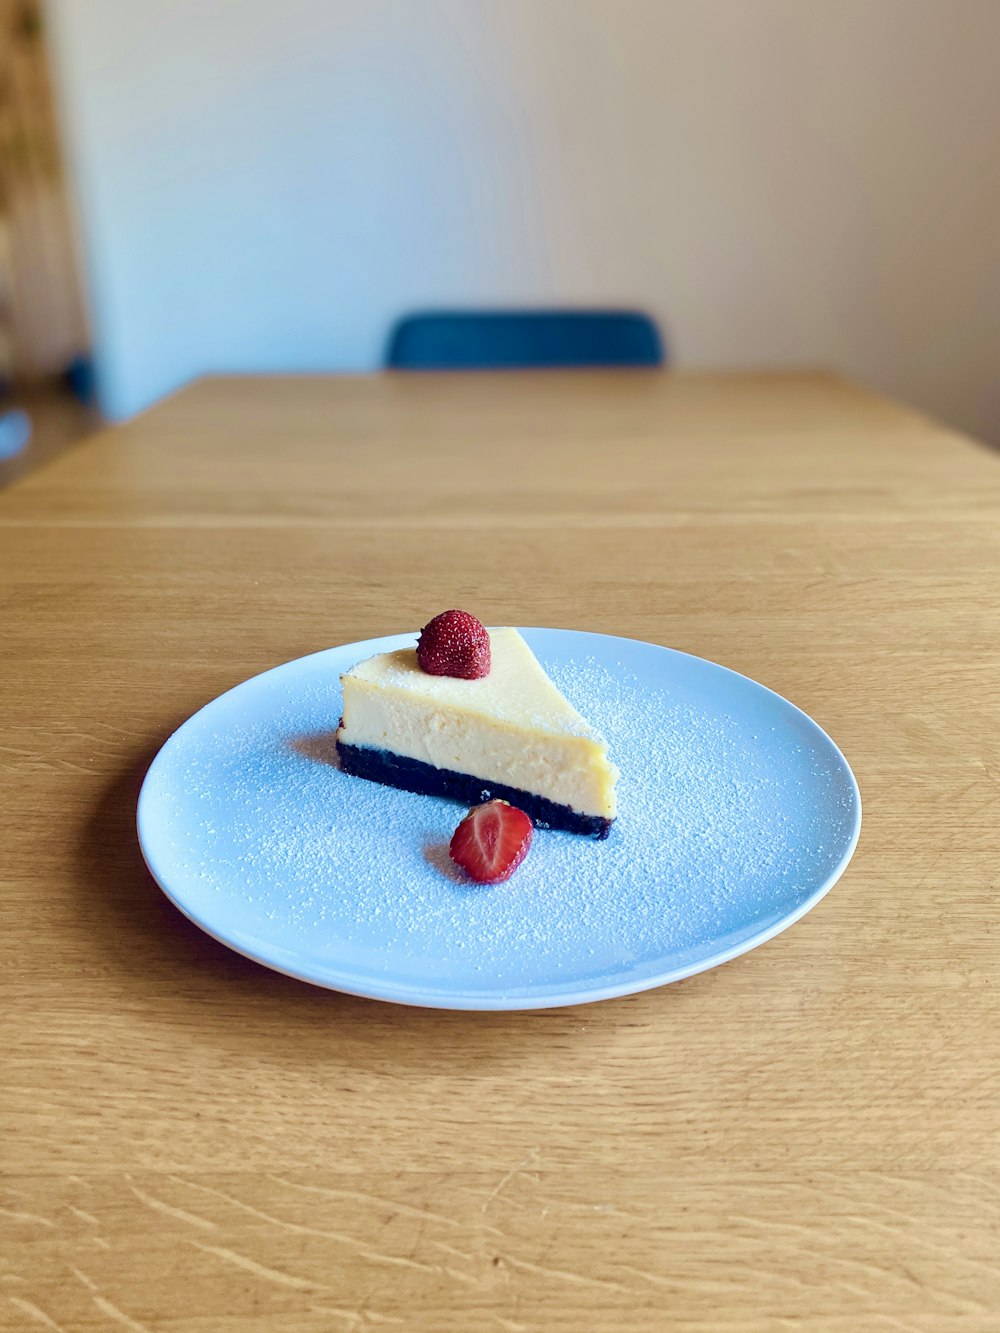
[512,726]
[572,770]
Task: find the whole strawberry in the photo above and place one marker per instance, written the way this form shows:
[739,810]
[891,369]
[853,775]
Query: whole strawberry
[454,643]
[491,842]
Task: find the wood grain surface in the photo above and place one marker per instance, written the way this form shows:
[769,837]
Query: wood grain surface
[803,1139]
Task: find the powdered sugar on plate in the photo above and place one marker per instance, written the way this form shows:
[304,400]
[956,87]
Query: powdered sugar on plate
[734,811]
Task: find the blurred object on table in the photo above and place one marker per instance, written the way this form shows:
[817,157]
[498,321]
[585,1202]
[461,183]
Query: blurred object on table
[15,432]
[38,422]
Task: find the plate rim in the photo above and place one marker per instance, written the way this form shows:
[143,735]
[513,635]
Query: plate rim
[509,1001]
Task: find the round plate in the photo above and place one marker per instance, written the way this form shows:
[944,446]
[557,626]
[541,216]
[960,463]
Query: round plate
[736,814]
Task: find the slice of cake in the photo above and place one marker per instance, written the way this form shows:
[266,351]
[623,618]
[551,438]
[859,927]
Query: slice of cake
[508,734]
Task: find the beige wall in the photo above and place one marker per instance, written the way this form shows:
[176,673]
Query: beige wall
[782,182]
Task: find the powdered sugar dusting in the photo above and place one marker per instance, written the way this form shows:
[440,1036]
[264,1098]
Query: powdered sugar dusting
[729,818]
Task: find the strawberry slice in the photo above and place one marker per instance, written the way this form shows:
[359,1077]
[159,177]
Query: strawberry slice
[492,841]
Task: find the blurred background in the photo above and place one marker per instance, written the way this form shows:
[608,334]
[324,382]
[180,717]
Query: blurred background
[196,186]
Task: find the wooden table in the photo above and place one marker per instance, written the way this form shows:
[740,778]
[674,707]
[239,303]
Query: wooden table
[804,1139]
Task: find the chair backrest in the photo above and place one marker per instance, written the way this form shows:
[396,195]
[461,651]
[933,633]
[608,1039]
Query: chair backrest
[521,339]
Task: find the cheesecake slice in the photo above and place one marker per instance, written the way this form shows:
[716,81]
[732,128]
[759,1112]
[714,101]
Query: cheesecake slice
[510,735]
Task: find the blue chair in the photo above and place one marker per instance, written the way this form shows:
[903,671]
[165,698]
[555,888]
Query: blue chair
[522,339]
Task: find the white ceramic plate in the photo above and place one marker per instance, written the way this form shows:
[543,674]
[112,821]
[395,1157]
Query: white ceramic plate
[736,814]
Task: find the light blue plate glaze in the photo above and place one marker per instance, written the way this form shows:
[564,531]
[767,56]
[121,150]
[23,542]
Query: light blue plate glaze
[736,815]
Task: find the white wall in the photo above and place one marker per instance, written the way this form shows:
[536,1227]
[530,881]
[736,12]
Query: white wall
[266,186]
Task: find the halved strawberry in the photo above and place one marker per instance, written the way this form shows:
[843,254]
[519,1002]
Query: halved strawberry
[492,841]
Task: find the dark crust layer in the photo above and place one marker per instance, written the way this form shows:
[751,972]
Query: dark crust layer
[393,770]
